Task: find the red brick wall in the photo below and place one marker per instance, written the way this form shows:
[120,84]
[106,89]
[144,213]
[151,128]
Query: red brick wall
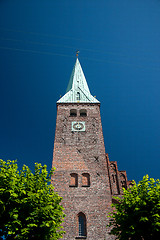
[113,177]
[82,153]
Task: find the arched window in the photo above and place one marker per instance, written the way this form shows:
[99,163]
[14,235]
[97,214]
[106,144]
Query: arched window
[85,180]
[113,167]
[113,178]
[83,112]
[123,181]
[73,113]
[73,180]
[123,184]
[82,228]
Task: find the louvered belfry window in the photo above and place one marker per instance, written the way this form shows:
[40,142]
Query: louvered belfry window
[85,180]
[73,180]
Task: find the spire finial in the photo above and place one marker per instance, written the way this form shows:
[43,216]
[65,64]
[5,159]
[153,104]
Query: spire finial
[77,52]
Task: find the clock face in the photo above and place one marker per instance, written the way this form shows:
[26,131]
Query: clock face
[78,126]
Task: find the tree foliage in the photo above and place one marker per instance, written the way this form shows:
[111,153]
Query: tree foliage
[29,207]
[136,215]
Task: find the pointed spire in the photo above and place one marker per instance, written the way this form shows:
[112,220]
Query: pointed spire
[77,90]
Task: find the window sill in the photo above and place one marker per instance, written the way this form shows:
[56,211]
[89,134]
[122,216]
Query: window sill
[73,185]
[81,237]
[85,185]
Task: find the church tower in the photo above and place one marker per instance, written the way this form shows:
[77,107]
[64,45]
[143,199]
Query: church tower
[84,176]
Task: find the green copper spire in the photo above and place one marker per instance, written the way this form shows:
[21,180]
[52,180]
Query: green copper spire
[77,90]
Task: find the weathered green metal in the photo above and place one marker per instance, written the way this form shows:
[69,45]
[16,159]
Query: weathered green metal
[77,90]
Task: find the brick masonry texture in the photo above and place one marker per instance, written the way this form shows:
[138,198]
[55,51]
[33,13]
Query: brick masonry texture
[84,176]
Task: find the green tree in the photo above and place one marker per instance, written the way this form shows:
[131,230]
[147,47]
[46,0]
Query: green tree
[29,207]
[136,215]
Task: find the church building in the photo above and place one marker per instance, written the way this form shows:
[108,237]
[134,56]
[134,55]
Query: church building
[84,177]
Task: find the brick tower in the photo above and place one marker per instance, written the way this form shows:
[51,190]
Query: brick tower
[84,176]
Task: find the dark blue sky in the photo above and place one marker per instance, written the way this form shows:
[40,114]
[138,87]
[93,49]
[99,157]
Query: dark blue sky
[119,43]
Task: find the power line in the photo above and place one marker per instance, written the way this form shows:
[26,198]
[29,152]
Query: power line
[66,46]
[90,59]
[65,37]
[33,51]
[42,34]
